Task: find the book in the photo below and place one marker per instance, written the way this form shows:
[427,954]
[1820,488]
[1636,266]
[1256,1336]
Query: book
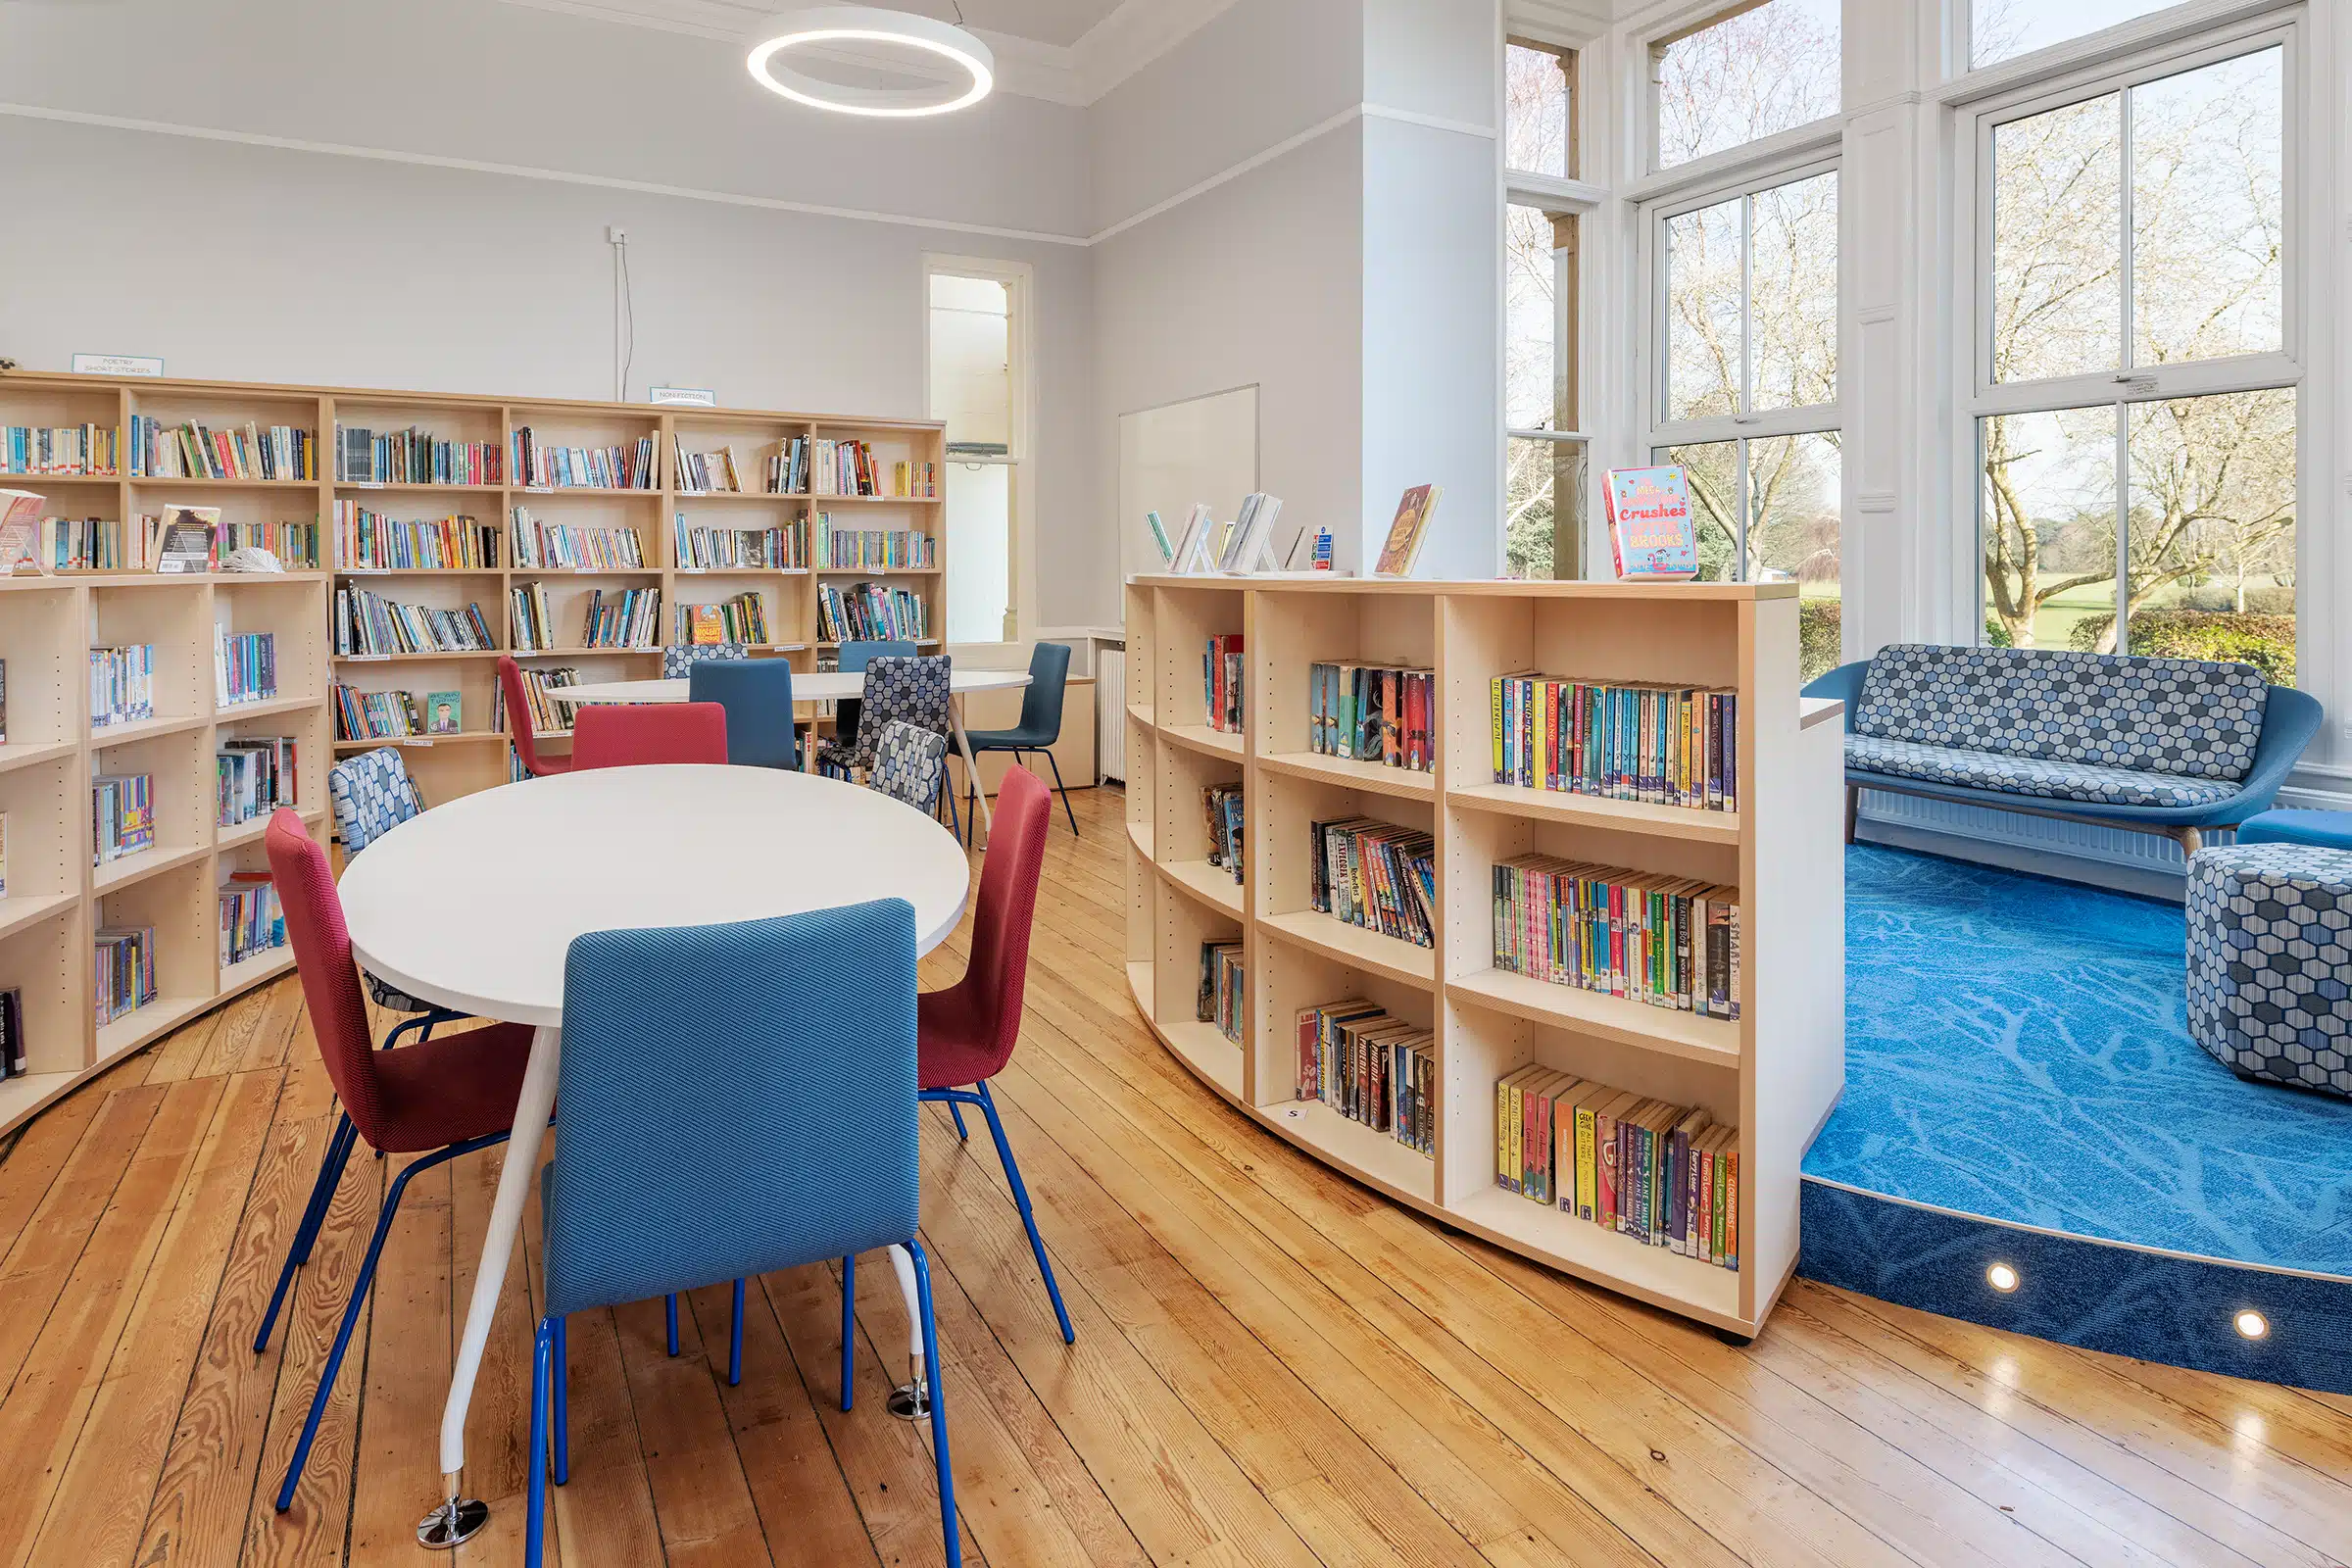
[1407,531]
[121,684]
[871,611]
[1371,1067]
[1663,941]
[1222,805]
[3,701]
[1666,745]
[536,466]
[740,619]
[187,544]
[252,775]
[250,921]
[1381,713]
[3,854]
[125,972]
[1224,989]
[706,546]
[122,816]
[443,712]
[376,715]
[1252,537]
[840,548]
[192,451]
[1160,539]
[571,547]
[1652,538]
[413,457]
[1376,875]
[244,667]
[1193,552]
[19,532]
[14,1049]
[371,541]
[74,449]
[369,625]
[1222,680]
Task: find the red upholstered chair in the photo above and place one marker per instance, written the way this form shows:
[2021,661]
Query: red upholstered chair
[638,733]
[438,1098]
[965,1034]
[518,723]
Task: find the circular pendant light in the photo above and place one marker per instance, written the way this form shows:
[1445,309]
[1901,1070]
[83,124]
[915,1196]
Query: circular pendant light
[816,26]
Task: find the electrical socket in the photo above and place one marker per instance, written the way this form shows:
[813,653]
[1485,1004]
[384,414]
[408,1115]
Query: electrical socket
[615,234]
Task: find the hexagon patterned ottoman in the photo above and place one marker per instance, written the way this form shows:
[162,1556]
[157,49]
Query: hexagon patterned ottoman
[2270,962]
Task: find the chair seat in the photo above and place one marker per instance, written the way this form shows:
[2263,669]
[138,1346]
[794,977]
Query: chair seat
[2325,830]
[1005,740]
[2047,779]
[952,1046]
[451,1088]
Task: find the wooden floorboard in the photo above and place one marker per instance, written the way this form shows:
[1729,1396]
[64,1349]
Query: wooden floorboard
[1273,1364]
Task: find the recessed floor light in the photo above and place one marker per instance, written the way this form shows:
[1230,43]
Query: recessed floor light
[2002,1278]
[2251,1325]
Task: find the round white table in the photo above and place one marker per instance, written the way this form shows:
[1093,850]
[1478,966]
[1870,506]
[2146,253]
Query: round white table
[822,686]
[474,906]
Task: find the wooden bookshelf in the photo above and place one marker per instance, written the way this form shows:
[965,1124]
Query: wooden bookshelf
[1774,1073]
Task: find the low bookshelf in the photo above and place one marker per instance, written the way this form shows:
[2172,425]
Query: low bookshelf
[1771,1075]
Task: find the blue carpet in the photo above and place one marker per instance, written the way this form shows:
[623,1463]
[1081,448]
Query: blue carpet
[2019,1048]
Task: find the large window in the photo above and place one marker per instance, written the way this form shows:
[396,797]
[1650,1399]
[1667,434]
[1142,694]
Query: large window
[2002,29]
[1544,484]
[976,390]
[2134,419]
[1754,71]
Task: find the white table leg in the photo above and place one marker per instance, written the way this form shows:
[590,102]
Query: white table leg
[963,743]
[911,1400]
[515,1179]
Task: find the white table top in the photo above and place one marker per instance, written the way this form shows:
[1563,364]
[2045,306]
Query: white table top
[473,905]
[822,686]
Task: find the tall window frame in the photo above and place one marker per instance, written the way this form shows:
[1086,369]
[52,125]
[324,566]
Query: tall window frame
[2131,389]
[1020,292]
[1545,459]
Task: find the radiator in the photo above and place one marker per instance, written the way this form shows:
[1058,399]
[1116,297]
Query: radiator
[1111,714]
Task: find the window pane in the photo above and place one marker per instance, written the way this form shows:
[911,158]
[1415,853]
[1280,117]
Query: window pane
[2213,530]
[2208,212]
[1538,537]
[1713,469]
[1795,483]
[1539,103]
[1530,362]
[1745,77]
[971,363]
[1999,30]
[1702,311]
[979,498]
[2047,527]
[1793,306]
[2057,241]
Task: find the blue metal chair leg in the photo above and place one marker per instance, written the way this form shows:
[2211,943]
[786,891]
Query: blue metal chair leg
[957,1112]
[1020,1200]
[314,1216]
[848,1326]
[561,1411]
[669,1309]
[938,1406]
[1065,791]
[735,1341]
[534,1519]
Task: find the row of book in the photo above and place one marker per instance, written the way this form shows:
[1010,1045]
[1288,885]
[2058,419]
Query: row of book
[122,816]
[125,972]
[1222,683]
[1670,942]
[709,548]
[870,612]
[192,451]
[1664,1174]
[252,775]
[1384,713]
[294,544]
[14,1056]
[1371,1067]
[250,921]
[702,474]
[393,715]
[873,548]
[568,547]
[371,625]
[623,618]
[546,714]
[413,457]
[1224,990]
[94,544]
[1223,804]
[740,619]
[60,449]
[121,684]
[100,544]
[533,627]
[539,467]
[244,667]
[371,541]
[1377,876]
[850,468]
[1667,744]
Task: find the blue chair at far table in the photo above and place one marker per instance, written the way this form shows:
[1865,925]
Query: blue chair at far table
[1041,722]
[756,694]
[786,1137]
[853,658]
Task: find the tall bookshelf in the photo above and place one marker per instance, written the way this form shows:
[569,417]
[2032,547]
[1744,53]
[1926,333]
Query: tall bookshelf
[1775,1072]
[57,900]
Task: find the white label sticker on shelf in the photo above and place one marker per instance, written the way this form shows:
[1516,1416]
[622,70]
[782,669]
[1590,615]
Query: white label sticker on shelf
[117,365]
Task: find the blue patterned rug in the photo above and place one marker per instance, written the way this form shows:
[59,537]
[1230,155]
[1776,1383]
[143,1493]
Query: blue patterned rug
[2019,1048]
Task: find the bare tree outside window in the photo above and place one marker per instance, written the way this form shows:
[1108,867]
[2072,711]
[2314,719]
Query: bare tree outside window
[1757,70]
[2003,30]
[1539,108]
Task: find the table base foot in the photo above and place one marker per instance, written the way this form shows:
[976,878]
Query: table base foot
[911,1402]
[453,1524]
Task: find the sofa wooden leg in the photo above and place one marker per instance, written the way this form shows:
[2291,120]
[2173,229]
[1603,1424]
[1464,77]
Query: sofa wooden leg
[2191,841]
[1853,806]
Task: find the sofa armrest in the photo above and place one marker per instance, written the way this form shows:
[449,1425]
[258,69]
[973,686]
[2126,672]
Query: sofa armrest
[1844,683]
[2289,719]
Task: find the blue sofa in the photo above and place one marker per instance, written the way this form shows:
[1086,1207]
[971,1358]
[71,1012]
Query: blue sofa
[2165,746]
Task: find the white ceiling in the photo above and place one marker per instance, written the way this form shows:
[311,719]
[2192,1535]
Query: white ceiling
[1056,23]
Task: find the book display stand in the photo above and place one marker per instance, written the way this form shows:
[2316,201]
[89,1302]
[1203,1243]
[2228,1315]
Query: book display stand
[1773,1073]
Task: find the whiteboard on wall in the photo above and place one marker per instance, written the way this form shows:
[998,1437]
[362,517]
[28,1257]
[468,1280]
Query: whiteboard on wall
[1202,449]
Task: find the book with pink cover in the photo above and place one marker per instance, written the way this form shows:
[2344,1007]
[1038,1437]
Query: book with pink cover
[20,530]
[1651,535]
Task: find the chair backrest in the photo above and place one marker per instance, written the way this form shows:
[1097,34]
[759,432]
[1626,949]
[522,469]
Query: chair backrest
[912,691]
[854,656]
[910,764]
[786,1135]
[997,974]
[518,722]
[634,734]
[756,694]
[371,793]
[678,660]
[1041,703]
[330,977]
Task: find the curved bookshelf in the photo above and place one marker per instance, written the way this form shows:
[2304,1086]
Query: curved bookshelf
[1774,1073]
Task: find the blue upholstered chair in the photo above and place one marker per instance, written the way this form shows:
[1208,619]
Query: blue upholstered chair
[1041,722]
[910,764]
[678,661]
[853,658]
[786,1137]
[756,694]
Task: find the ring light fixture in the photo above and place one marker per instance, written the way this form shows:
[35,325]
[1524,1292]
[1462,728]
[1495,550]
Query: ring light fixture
[814,26]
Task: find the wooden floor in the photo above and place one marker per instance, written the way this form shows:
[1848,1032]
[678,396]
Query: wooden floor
[1273,1366]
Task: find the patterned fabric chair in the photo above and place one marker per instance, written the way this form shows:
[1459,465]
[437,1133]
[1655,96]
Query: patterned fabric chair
[910,764]
[2164,746]
[2270,962]
[913,691]
[678,661]
[371,794]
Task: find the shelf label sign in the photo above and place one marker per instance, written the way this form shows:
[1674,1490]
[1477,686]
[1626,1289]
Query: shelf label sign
[117,365]
[698,397]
